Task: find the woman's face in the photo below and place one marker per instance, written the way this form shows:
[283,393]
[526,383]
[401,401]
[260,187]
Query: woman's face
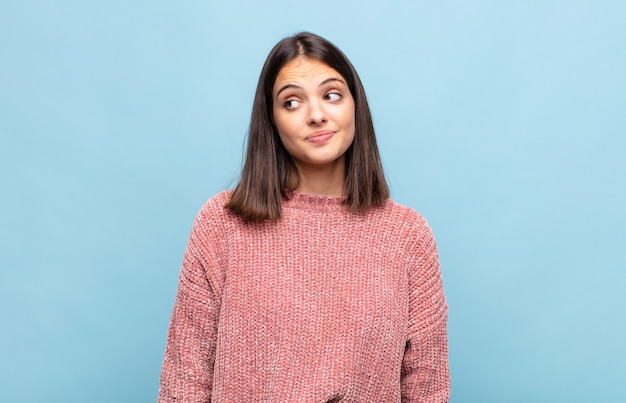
[313,112]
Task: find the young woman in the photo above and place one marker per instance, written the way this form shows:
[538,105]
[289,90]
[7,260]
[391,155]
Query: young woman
[307,283]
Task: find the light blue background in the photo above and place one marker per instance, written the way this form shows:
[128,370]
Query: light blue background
[501,121]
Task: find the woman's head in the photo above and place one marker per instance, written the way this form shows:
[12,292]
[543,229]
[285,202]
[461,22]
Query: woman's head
[269,171]
[313,113]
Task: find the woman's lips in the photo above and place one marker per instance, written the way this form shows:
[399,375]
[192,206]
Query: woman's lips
[320,137]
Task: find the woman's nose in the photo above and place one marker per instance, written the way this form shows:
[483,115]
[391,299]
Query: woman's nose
[317,114]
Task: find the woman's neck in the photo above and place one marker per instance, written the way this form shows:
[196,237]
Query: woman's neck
[327,179]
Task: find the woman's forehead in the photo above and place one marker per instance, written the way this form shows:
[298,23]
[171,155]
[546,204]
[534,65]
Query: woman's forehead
[305,71]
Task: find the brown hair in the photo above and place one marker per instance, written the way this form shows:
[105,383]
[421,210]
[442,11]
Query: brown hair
[268,170]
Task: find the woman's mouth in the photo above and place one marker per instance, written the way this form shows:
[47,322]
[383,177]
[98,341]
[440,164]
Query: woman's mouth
[321,136]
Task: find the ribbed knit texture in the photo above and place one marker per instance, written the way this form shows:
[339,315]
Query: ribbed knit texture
[322,306]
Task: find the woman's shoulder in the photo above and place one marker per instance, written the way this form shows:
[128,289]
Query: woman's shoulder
[213,212]
[217,202]
[407,221]
[405,214]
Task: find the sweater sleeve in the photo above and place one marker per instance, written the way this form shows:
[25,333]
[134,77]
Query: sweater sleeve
[187,371]
[425,374]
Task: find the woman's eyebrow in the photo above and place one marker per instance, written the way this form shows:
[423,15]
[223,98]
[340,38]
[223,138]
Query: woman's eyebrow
[331,79]
[328,80]
[284,87]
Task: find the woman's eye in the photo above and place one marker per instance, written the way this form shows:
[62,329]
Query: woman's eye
[333,96]
[290,104]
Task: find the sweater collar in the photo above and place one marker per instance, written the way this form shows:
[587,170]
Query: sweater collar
[306,201]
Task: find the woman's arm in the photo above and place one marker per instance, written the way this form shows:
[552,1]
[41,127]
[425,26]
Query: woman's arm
[187,372]
[425,372]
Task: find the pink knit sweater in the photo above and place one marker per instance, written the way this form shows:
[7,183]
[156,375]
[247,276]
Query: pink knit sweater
[322,306]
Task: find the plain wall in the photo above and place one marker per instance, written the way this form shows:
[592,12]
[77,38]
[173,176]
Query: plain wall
[502,122]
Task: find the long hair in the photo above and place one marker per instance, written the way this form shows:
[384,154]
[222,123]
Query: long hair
[268,172]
